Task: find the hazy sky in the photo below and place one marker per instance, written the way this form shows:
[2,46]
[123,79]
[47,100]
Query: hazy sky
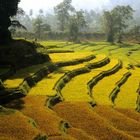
[47,5]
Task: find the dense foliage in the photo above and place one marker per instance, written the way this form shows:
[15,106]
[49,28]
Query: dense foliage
[8,8]
[116,22]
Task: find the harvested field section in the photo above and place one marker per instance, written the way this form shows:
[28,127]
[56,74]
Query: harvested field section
[118,120]
[34,107]
[131,113]
[81,116]
[79,134]
[48,122]
[63,137]
[16,126]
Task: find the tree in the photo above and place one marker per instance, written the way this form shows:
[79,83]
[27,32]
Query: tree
[15,20]
[115,22]
[122,14]
[136,33]
[76,23]
[40,27]
[8,8]
[38,22]
[73,29]
[62,11]
[109,25]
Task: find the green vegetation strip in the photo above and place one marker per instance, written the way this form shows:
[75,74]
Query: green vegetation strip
[138,100]
[60,84]
[75,62]
[60,51]
[98,64]
[101,75]
[116,90]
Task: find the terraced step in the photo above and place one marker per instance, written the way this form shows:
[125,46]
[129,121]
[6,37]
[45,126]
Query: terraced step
[99,48]
[115,92]
[98,59]
[46,121]
[15,125]
[127,96]
[68,56]
[54,51]
[18,78]
[79,47]
[138,99]
[21,89]
[103,89]
[60,84]
[131,113]
[76,89]
[46,85]
[119,121]
[75,62]
[98,78]
[81,116]
[52,43]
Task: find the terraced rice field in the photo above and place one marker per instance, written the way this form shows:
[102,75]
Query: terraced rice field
[101,95]
[15,80]
[78,111]
[76,90]
[128,95]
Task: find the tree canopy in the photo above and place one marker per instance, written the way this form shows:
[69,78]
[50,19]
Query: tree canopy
[115,22]
[8,8]
[62,11]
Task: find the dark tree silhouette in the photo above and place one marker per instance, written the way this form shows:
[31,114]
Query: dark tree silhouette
[8,8]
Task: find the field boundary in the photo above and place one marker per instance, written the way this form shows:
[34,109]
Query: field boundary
[8,94]
[116,90]
[60,84]
[138,100]
[102,75]
[75,61]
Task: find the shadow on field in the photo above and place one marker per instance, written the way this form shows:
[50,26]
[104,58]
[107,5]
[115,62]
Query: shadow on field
[15,104]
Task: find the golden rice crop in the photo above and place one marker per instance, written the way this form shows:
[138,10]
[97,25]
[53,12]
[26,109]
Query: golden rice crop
[15,80]
[17,126]
[102,90]
[45,86]
[81,116]
[68,56]
[76,89]
[127,96]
